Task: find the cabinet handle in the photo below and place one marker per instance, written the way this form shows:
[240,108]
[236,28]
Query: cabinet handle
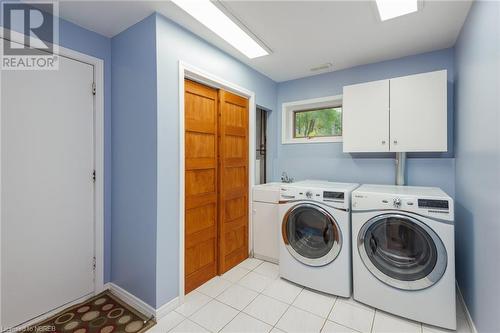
[383,142]
[395,142]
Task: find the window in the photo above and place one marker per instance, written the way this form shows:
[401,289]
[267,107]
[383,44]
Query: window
[317,123]
[312,120]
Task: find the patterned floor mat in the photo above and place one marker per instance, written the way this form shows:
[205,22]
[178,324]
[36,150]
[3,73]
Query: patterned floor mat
[104,313]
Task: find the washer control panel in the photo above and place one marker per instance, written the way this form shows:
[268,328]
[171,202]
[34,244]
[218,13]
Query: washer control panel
[328,197]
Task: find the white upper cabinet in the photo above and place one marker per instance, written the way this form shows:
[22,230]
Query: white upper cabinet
[405,114]
[419,113]
[366,117]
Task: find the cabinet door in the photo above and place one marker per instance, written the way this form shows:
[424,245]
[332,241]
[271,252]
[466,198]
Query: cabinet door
[266,231]
[419,112]
[365,109]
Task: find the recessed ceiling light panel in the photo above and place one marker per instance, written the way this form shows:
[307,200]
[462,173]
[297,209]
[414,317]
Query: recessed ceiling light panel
[389,9]
[214,19]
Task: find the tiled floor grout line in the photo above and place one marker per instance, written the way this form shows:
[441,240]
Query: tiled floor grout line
[333,321]
[276,299]
[261,292]
[239,311]
[373,320]
[258,294]
[329,312]
[289,306]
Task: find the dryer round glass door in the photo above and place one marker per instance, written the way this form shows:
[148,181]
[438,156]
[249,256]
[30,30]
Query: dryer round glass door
[311,234]
[402,251]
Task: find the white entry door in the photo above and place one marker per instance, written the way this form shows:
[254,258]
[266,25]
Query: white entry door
[47,190]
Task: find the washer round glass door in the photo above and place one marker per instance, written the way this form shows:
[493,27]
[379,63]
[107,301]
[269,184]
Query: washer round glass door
[402,252]
[311,234]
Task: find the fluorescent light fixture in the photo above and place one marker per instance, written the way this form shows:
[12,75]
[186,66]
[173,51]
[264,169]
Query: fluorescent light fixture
[389,9]
[214,19]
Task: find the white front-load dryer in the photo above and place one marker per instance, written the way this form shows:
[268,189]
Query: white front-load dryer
[403,252]
[315,244]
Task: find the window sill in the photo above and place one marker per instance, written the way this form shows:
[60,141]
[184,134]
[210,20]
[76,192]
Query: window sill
[336,139]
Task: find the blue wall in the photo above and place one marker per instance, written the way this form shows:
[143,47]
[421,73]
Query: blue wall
[477,150]
[134,140]
[74,37]
[145,209]
[327,161]
[174,44]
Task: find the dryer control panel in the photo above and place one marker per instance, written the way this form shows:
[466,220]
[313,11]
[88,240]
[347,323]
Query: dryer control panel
[430,202]
[433,203]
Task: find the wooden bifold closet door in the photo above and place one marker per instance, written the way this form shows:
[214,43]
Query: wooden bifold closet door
[233,180]
[201,113]
[216,182]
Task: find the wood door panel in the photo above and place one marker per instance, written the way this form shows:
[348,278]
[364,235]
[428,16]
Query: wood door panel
[200,255]
[200,200]
[200,218]
[201,209]
[201,181]
[197,126]
[202,109]
[233,180]
[236,177]
[203,236]
[199,145]
[200,273]
[235,237]
[235,115]
[235,224]
[235,208]
[235,147]
[236,257]
[236,131]
[200,163]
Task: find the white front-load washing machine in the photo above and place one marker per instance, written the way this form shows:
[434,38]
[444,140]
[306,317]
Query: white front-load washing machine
[404,252]
[315,244]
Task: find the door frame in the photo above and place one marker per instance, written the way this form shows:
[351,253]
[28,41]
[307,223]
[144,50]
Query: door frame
[98,65]
[188,71]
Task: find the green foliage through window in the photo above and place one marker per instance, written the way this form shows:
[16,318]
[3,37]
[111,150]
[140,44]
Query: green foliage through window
[318,123]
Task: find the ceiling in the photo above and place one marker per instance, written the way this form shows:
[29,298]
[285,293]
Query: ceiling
[301,34]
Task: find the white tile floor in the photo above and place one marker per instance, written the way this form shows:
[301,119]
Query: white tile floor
[252,298]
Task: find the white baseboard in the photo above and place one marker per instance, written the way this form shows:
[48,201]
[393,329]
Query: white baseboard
[467,313]
[140,305]
[132,300]
[166,308]
[265,258]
